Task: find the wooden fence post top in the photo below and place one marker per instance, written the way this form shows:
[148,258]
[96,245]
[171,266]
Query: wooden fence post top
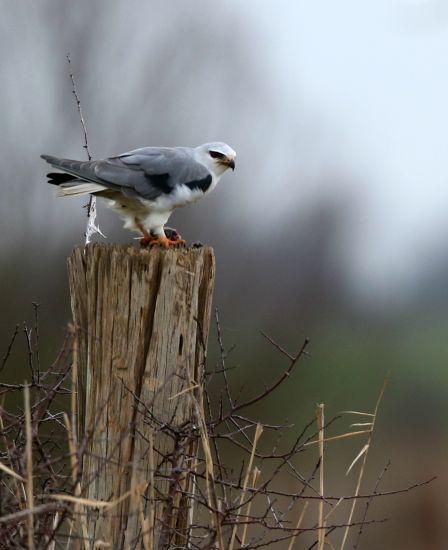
[142,252]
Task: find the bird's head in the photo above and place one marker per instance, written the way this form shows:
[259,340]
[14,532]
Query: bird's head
[216,156]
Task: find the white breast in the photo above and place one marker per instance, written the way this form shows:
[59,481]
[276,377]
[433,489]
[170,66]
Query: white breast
[154,214]
[181,196]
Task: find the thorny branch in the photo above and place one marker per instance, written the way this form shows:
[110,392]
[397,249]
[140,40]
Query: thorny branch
[92,226]
[229,495]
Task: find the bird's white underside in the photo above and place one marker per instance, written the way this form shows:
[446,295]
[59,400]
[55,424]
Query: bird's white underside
[139,213]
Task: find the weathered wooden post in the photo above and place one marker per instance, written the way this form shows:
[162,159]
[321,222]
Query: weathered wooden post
[142,320]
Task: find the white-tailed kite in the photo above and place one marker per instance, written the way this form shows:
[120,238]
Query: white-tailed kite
[145,185]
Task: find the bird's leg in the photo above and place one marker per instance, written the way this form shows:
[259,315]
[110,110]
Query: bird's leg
[147,237]
[166,237]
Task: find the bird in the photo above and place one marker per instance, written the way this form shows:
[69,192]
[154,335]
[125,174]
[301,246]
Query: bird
[145,185]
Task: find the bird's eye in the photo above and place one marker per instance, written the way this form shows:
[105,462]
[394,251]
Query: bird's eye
[216,155]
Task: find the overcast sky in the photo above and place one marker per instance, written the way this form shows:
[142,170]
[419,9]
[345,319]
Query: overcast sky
[374,74]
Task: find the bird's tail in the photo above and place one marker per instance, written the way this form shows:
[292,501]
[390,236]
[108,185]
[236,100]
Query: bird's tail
[71,182]
[76,189]
[69,186]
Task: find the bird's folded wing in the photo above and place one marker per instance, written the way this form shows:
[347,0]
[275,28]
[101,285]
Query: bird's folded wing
[147,173]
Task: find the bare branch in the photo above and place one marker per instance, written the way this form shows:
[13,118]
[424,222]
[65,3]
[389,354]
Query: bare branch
[252,509]
[10,346]
[92,226]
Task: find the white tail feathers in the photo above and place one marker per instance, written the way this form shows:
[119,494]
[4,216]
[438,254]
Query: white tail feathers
[67,190]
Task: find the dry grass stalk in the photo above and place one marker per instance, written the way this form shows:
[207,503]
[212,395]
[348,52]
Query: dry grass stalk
[192,497]
[11,472]
[210,475]
[102,504]
[333,509]
[364,453]
[258,432]
[320,417]
[145,525]
[298,524]
[73,463]
[191,388]
[29,466]
[74,392]
[78,510]
[255,475]
[336,437]
[152,506]
[137,489]
[357,457]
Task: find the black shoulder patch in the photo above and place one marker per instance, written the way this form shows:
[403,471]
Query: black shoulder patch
[57,178]
[203,184]
[160,182]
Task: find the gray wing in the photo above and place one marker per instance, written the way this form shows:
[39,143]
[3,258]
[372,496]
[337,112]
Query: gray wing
[148,172]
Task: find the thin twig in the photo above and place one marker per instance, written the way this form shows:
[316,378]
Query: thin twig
[92,226]
[36,336]
[27,333]
[10,345]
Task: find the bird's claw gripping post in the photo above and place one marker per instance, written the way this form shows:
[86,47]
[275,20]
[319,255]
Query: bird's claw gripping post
[171,238]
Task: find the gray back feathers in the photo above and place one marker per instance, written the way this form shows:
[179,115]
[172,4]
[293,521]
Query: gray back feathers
[147,173]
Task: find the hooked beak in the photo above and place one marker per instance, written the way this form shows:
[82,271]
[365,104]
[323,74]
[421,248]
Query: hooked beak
[228,162]
[231,163]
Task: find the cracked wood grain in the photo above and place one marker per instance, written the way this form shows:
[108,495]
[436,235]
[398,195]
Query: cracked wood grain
[142,319]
